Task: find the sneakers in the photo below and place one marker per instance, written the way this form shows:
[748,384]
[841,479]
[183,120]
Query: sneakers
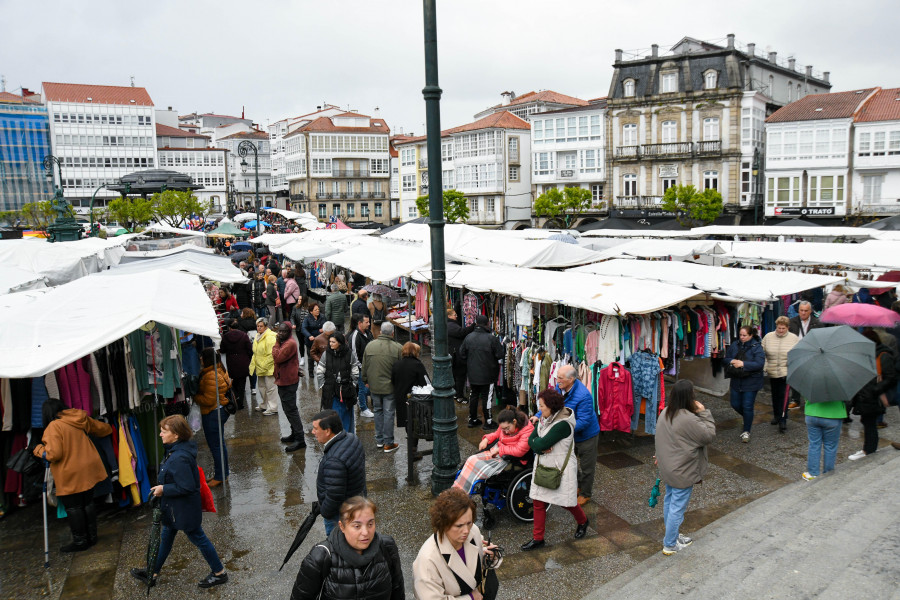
[379,445]
[259,409]
[670,550]
[745,437]
[474,423]
[857,455]
[269,413]
[366,413]
[881,425]
[685,540]
[388,448]
[793,406]
[212,580]
[489,426]
[807,476]
[141,575]
[253,391]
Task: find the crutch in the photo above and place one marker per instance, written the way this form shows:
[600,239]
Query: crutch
[46,537]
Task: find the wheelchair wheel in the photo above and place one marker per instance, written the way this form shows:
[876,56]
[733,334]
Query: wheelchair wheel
[518,498]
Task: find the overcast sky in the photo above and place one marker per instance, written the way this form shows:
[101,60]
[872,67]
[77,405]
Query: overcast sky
[283,58]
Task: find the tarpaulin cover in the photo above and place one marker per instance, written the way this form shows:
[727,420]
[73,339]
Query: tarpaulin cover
[14,279]
[149,254]
[166,228]
[40,333]
[877,254]
[597,293]
[306,251]
[208,266]
[743,284]
[678,249]
[61,262]
[383,260]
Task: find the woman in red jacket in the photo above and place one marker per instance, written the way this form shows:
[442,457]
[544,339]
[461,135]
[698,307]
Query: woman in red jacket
[511,439]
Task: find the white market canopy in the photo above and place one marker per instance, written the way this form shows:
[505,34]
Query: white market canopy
[14,279]
[70,321]
[166,228]
[208,266]
[61,262]
[131,255]
[303,251]
[384,260]
[287,214]
[786,231]
[597,293]
[741,284]
[677,249]
[247,216]
[873,254]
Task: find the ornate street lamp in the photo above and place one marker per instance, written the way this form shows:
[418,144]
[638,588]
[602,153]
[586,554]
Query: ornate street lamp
[64,228]
[245,148]
[755,187]
[446,445]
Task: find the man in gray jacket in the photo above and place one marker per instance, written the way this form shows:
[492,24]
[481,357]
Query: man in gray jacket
[378,361]
[336,307]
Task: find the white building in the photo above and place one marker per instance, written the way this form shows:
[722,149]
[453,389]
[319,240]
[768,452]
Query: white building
[876,166]
[531,103]
[809,160]
[244,175]
[486,160]
[190,153]
[100,133]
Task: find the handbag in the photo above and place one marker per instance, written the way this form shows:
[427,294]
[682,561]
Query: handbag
[24,462]
[550,477]
[230,405]
[735,372]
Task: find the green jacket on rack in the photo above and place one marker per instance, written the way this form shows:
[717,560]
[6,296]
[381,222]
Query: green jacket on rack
[166,361]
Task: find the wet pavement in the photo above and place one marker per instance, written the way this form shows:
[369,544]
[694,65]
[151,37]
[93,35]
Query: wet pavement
[268,495]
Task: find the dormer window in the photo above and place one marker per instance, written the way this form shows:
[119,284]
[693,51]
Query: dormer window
[628,86]
[710,80]
[668,83]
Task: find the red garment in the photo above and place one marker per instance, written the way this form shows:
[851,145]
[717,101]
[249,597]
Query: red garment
[74,383]
[206,497]
[615,398]
[511,445]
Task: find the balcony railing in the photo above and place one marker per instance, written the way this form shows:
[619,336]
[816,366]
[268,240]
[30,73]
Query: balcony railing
[349,173]
[324,196]
[710,147]
[666,150]
[482,217]
[375,195]
[423,163]
[637,201]
[628,151]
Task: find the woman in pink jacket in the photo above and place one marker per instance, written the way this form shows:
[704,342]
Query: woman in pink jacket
[511,439]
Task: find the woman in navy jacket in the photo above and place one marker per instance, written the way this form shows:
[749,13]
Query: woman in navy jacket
[179,490]
[748,356]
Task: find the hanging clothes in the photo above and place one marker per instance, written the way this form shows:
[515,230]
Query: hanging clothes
[645,380]
[615,398]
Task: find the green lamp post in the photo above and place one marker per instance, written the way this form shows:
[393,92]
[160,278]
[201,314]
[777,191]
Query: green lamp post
[245,148]
[446,445]
[64,228]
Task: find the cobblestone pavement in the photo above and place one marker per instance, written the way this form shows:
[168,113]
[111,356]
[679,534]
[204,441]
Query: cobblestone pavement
[269,492]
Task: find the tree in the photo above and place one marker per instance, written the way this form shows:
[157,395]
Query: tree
[456,209]
[130,212]
[176,208]
[563,205]
[693,207]
[38,215]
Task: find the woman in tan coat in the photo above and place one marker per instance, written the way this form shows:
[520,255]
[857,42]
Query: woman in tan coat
[776,345]
[75,465]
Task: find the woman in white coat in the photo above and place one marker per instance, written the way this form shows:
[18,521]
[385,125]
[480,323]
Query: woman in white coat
[449,564]
[552,442]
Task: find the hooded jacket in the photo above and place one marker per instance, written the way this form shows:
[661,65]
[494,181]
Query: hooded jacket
[482,352]
[334,571]
[74,461]
[206,398]
[262,363]
[754,361]
[238,351]
[681,446]
[181,487]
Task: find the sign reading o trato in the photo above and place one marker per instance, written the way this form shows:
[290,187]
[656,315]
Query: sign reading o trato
[803,211]
[668,170]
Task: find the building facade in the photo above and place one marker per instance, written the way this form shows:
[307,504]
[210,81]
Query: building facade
[100,133]
[190,153]
[339,165]
[875,182]
[242,171]
[695,116]
[24,142]
[531,103]
[487,160]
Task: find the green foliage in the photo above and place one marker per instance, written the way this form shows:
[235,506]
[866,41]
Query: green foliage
[130,212]
[176,208]
[456,209]
[38,215]
[9,217]
[693,207]
[563,205]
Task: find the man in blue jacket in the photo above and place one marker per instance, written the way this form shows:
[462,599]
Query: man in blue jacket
[587,428]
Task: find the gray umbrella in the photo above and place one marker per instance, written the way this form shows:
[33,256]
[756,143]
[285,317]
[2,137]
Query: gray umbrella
[831,363]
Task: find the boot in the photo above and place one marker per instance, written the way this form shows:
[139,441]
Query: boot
[78,525]
[90,512]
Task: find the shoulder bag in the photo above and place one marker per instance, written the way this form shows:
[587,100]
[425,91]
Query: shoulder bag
[735,372]
[550,477]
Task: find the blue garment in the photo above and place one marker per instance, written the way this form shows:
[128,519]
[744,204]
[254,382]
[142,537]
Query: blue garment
[211,432]
[754,361]
[38,396]
[568,345]
[645,384]
[822,432]
[743,404]
[198,538]
[140,456]
[181,487]
[190,359]
[674,506]
[330,524]
[579,399]
[345,413]
[362,393]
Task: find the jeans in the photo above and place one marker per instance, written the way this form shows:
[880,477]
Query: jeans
[330,524]
[288,395]
[383,407]
[742,402]
[252,382]
[674,506]
[483,395]
[362,394]
[211,431]
[540,517]
[870,433]
[821,432]
[778,385]
[198,538]
[344,412]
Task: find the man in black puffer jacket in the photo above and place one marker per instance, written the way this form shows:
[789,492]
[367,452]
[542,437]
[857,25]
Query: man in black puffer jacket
[482,352]
[342,472]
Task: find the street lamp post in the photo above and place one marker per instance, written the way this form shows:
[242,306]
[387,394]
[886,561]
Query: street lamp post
[243,149]
[446,445]
[755,185]
[93,232]
[64,228]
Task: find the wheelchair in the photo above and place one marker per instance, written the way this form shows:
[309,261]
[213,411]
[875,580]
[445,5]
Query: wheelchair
[509,489]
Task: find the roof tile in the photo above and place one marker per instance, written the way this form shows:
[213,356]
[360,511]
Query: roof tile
[498,120]
[883,106]
[165,130]
[98,94]
[9,98]
[247,135]
[817,107]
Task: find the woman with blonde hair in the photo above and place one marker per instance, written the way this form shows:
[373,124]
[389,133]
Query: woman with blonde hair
[776,344]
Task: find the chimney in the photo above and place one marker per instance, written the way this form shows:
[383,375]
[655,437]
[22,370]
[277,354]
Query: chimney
[506,98]
[751,49]
[730,44]
[654,51]
[792,63]
[772,57]
[618,55]
[809,71]
[170,108]
[827,76]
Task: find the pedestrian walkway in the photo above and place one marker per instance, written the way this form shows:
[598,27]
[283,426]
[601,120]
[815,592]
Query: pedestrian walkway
[835,537]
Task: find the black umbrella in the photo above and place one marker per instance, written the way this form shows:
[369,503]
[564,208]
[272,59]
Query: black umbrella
[305,526]
[154,540]
[239,256]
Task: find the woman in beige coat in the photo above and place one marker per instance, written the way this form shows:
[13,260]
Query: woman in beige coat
[553,442]
[776,345]
[448,565]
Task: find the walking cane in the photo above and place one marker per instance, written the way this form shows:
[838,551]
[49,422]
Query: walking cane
[46,537]
[219,424]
